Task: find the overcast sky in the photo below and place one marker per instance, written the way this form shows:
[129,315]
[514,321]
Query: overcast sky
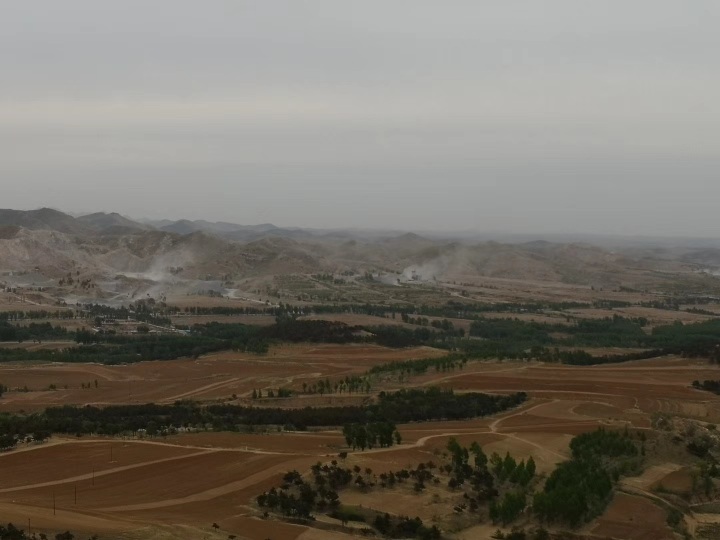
[513,116]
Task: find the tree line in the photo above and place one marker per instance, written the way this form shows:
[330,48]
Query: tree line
[11,532]
[498,338]
[31,332]
[708,386]
[20,315]
[398,407]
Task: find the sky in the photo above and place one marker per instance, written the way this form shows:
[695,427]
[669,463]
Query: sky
[558,116]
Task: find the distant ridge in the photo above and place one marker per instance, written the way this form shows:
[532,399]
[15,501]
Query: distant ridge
[100,221]
[43,219]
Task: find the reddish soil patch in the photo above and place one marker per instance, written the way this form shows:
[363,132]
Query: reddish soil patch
[80,457]
[204,477]
[353,319]
[633,518]
[212,377]
[679,481]
[254,320]
[179,485]
[320,444]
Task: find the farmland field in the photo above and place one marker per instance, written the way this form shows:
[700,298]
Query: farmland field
[129,487]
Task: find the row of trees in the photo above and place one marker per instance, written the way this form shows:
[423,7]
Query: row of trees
[11,532]
[613,331]
[31,332]
[421,404]
[36,314]
[708,386]
[500,338]
[403,406]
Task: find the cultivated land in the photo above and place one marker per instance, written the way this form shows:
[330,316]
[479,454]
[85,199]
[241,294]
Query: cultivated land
[216,376]
[436,297]
[163,485]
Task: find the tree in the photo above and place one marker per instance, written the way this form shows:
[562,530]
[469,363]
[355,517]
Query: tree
[508,466]
[530,466]
[480,457]
[496,463]
[382,523]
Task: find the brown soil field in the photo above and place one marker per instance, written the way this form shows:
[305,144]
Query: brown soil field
[644,386]
[317,443]
[183,300]
[78,457]
[679,482]
[655,317]
[212,377]
[255,320]
[175,484]
[167,488]
[633,518]
[353,319]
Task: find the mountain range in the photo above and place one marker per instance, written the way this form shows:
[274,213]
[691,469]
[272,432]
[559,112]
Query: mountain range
[114,252]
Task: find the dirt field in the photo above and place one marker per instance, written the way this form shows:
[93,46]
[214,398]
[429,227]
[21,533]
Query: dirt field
[178,486]
[255,320]
[634,518]
[654,316]
[212,377]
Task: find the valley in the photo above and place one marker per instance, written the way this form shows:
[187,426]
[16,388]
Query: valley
[161,384]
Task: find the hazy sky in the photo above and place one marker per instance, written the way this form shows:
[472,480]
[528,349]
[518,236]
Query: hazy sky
[508,115]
